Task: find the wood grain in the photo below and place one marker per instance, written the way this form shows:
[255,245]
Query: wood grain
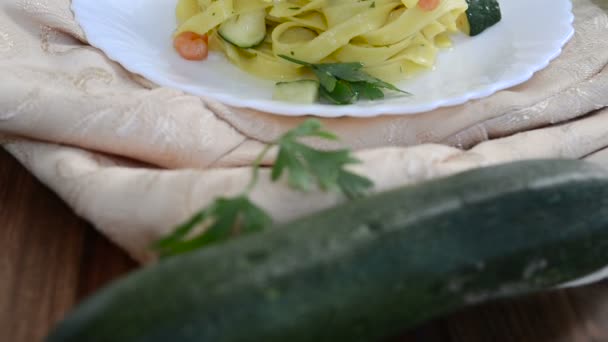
[50,260]
[49,257]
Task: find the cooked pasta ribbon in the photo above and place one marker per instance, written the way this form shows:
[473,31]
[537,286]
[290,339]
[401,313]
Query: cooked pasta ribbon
[392,38]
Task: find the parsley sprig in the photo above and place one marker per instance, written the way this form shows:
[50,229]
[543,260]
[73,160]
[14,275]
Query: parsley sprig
[346,83]
[304,167]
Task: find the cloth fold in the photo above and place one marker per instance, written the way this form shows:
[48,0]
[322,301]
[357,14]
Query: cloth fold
[135,159]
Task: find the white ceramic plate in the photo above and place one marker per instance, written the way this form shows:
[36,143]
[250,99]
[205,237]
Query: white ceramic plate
[137,34]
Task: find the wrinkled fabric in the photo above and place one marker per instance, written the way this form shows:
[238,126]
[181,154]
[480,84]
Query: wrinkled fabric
[135,159]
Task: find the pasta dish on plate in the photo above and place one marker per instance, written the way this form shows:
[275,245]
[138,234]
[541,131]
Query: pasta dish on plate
[389,40]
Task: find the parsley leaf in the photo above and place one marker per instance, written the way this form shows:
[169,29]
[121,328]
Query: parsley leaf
[327,80]
[352,72]
[223,219]
[345,83]
[367,90]
[352,185]
[304,166]
[343,93]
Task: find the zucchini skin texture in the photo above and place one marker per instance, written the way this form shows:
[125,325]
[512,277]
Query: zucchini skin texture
[482,14]
[369,268]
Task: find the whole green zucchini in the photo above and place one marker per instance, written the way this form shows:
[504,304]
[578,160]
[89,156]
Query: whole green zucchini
[369,268]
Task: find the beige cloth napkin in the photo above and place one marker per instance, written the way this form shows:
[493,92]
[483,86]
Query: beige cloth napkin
[135,159]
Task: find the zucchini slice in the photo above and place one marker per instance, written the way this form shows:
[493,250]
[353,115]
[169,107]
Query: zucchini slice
[302,91]
[370,267]
[481,15]
[245,30]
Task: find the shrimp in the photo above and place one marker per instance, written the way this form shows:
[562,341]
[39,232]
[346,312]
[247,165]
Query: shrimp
[428,5]
[192,46]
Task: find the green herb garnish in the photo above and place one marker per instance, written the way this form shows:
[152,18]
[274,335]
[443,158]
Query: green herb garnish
[346,83]
[304,168]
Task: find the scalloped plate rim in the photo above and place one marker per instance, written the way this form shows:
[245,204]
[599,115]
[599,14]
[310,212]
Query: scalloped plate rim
[288,109]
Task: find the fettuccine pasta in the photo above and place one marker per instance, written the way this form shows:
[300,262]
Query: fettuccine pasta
[392,38]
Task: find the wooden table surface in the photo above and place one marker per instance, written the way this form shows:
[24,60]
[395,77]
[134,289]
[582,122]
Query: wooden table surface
[50,260]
